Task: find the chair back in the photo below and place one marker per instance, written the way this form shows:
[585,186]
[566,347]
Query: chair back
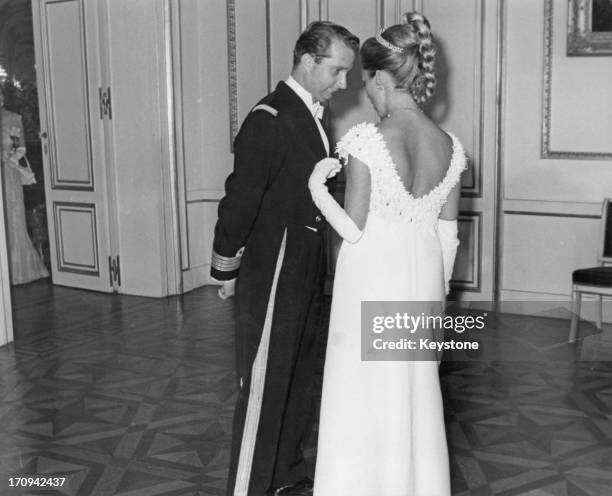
[606,232]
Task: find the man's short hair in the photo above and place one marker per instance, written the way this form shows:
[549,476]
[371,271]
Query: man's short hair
[318,36]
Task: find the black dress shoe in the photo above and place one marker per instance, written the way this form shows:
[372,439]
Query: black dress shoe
[301,488]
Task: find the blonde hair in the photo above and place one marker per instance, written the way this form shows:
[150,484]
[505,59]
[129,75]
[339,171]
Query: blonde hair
[412,66]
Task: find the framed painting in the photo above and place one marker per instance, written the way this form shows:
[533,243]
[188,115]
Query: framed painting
[589,30]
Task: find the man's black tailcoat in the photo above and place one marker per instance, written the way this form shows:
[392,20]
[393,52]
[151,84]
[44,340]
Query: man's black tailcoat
[268,210]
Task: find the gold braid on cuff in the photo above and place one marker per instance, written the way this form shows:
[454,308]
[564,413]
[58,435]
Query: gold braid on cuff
[225,264]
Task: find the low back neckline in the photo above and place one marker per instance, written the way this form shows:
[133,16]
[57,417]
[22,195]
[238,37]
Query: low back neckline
[454,151]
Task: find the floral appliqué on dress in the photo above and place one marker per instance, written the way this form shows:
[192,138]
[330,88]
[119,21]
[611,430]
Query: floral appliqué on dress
[389,199]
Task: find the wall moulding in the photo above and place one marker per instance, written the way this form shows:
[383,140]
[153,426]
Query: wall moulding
[473,225]
[546,149]
[232,70]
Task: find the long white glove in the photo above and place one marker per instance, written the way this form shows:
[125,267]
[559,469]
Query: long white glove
[447,232]
[326,203]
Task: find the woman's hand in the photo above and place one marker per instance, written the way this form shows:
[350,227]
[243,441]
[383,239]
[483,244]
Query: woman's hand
[324,170]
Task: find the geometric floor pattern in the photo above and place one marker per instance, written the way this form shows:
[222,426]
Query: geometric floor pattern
[120,395]
[132,396]
[529,429]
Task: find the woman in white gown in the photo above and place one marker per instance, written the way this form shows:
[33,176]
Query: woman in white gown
[382,423]
[25,262]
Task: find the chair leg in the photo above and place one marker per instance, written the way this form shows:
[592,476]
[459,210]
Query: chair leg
[599,313]
[576,296]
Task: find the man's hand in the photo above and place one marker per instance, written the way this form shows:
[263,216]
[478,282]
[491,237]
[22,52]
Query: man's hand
[227,289]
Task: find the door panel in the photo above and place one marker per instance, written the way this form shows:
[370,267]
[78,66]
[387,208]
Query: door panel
[75,231]
[69,116]
[66,35]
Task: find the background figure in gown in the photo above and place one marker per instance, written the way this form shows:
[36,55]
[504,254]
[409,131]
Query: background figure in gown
[382,422]
[25,262]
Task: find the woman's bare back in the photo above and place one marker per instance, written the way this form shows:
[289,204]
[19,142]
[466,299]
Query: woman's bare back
[420,150]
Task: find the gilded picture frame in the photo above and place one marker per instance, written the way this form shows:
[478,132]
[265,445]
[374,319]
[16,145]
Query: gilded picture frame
[589,30]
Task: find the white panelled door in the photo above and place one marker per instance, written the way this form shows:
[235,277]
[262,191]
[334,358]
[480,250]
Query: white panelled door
[72,109]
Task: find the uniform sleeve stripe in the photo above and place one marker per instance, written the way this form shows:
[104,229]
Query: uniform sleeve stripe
[225,264]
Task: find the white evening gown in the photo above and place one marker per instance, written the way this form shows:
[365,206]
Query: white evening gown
[26,265]
[381,430]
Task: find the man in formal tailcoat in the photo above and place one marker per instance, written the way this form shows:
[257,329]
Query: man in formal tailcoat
[268,242]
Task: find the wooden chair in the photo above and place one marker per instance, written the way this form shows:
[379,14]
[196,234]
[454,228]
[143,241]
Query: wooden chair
[594,280]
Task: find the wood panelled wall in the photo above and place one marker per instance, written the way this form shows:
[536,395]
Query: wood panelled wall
[228,54]
[465,104]
[535,124]
[208,107]
[556,152]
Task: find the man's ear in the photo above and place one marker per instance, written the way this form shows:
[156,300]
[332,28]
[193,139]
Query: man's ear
[308,61]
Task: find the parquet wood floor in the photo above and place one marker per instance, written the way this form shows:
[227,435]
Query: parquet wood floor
[133,396]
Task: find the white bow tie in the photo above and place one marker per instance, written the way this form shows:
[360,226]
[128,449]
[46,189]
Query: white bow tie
[317,110]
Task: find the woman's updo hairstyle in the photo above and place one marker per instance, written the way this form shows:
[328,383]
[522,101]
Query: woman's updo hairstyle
[407,52]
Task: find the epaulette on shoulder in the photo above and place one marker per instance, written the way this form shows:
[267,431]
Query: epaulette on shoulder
[266,108]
